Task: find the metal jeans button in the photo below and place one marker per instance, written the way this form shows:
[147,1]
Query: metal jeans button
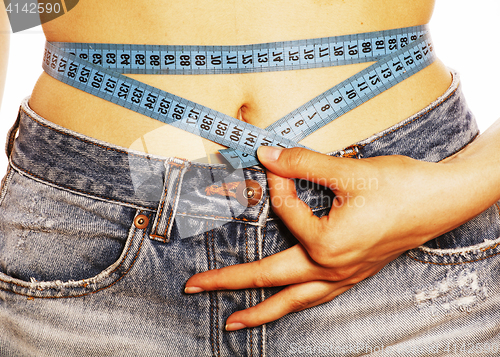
[141,221]
[249,193]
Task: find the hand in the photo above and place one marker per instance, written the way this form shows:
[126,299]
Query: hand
[396,204]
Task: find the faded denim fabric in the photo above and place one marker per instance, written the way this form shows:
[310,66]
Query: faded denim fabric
[79,278]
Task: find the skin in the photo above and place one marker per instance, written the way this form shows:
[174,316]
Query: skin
[319,267]
[258,98]
[4,48]
[339,250]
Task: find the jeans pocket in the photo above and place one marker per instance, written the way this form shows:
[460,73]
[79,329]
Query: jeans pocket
[55,242]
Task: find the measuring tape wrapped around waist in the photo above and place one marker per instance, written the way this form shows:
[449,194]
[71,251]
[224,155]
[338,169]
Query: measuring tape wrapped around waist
[98,69]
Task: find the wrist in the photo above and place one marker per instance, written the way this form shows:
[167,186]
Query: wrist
[475,178]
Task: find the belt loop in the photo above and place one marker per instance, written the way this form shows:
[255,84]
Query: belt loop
[11,135]
[165,215]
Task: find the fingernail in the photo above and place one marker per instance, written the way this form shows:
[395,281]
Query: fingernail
[234,326]
[193,290]
[269,153]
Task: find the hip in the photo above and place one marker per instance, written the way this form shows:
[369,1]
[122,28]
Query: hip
[259,99]
[92,234]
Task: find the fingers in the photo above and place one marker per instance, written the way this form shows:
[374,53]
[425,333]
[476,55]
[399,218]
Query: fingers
[290,266]
[295,298]
[294,212]
[328,297]
[306,164]
[291,299]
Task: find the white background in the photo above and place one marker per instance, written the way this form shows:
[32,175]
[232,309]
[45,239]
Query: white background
[465,33]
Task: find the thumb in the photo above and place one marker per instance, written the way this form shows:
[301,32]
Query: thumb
[306,164]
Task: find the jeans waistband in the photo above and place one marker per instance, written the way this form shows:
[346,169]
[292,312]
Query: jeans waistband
[72,161]
[441,129]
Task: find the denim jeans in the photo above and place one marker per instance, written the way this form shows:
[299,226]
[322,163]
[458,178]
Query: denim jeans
[97,242]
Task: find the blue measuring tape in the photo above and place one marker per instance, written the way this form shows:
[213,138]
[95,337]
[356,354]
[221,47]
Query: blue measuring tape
[264,57]
[97,68]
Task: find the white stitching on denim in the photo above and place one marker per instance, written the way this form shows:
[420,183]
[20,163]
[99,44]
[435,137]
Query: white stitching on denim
[34,285]
[21,172]
[462,250]
[6,183]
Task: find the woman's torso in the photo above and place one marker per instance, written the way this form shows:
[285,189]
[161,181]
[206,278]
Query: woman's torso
[258,98]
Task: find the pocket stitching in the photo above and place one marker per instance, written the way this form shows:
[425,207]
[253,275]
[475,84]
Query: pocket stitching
[6,183]
[74,191]
[477,249]
[453,263]
[83,280]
